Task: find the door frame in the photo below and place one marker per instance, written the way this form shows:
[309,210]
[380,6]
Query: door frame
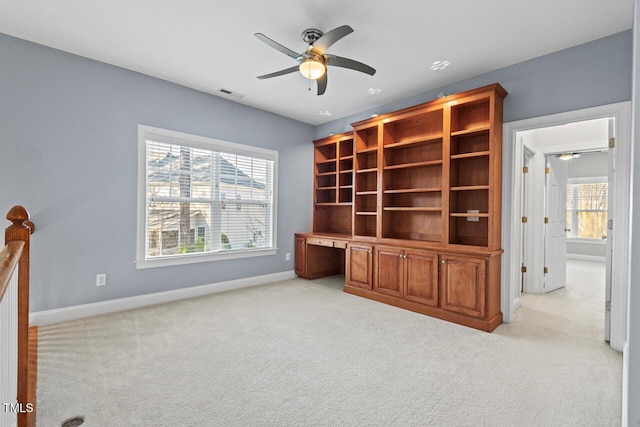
[511,202]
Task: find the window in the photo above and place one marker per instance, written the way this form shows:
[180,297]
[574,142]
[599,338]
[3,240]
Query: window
[587,208]
[202,199]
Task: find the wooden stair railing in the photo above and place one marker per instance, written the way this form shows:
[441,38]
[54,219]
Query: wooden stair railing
[20,231]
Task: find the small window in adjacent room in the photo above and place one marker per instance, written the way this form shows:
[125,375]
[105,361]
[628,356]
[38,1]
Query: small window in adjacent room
[587,209]
[184,184]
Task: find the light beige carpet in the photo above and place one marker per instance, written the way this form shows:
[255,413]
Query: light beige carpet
[300,353]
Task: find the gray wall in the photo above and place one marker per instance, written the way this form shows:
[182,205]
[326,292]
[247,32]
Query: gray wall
[587,249]
[68,144]
[589,165]
[592,74]
[633,319]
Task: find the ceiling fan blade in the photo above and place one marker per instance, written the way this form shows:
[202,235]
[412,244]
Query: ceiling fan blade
[280,73]
[277,46]
[322,84]
[338,61]
[323,43]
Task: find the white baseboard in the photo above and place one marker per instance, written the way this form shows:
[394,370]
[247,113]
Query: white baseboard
[587,257]
[58,315]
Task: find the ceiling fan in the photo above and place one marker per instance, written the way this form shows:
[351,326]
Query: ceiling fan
[312,63]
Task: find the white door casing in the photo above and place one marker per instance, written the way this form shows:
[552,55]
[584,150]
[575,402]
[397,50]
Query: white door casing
[611,180]
[511,203]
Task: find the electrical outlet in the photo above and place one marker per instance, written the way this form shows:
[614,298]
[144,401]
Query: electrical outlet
[101,279]
[287,256]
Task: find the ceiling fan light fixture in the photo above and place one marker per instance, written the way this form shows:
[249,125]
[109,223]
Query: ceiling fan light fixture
[568,156]
[312,68]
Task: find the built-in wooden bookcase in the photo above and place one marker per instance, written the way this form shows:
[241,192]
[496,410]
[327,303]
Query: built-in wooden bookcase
[415,197]
[412,175]
[432,173]
[365,218]
[333,186]
[475,169]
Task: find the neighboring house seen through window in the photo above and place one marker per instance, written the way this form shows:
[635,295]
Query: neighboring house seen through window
[186,186]
[587,209]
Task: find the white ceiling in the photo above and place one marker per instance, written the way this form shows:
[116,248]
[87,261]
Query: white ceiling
[584,136]
[209,45]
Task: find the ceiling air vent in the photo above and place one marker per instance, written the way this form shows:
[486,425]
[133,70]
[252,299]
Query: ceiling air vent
[231,93]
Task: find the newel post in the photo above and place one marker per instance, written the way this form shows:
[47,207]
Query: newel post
[20,230]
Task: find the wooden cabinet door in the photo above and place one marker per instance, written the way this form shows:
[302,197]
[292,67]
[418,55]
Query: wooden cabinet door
[463,284]
[359,265]
[389,270]
[300,262]
[421,276]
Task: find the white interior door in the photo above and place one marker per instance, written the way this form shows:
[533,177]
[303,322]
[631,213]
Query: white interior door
[555,251]
[525,262]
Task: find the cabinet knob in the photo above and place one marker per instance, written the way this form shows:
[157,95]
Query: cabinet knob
[442,261]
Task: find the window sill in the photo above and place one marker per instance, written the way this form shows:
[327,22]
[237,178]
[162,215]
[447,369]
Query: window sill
[197,258]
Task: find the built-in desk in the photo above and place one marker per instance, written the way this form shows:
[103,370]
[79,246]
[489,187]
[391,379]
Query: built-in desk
[320,254]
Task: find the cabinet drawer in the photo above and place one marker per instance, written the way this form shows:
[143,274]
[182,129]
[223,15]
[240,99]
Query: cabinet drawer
[342,244]
[319,241]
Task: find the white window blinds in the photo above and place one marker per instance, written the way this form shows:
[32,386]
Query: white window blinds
[206,198]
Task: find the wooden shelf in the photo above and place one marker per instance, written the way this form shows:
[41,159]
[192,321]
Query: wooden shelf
[326,162]
[471,131]
[367,170]
[326,188]
[349,157]
[334,204]
[411,209]
[367,150]
[467,215]
[326,173]
[366,193]
[346,171]
[367,213]
[470,188]
[415,140]
[413,190]
[470,155]
[414,165]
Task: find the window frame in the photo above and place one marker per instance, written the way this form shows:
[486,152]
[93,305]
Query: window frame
[200,142]
[587,180]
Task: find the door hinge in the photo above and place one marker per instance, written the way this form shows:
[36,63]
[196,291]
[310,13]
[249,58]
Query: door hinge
[610,224]
[607,306]
[612,143]
[547,171]
[525,169]
[546,220]
[546,270]
[523,269]
[524,219]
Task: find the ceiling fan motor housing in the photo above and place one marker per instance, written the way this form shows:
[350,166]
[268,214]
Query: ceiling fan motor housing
[311,35]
